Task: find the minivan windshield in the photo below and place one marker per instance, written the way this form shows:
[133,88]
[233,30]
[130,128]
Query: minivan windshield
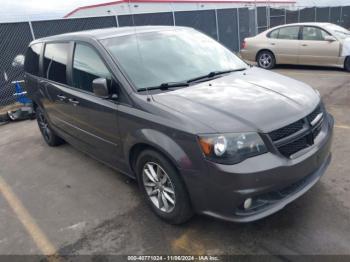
[171,56]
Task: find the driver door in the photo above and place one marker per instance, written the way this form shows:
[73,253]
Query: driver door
[314,49]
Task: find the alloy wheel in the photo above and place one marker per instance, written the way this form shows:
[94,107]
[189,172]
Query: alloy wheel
[265,60]
[159,187]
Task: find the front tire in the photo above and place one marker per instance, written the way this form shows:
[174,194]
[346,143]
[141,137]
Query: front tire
[48,134]
[162,188]
[266,60]
[347,64]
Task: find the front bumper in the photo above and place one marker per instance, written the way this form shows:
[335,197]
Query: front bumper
[271,180]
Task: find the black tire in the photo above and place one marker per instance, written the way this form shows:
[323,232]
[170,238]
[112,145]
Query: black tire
[4,117]
[347,64]
[181,211]
[266,59]
[48,134]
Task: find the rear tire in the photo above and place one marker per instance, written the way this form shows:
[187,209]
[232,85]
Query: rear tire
[266,59]
[347,64]
[164,192]
[48,134]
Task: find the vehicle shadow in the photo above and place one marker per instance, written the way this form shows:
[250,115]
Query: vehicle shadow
[310,68]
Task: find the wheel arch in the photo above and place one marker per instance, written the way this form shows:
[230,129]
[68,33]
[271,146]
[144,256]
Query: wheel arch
[157,141]
[265,49]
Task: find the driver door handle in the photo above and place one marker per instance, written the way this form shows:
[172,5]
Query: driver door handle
[304,45]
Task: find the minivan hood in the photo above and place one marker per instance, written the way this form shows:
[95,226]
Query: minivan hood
[250,100]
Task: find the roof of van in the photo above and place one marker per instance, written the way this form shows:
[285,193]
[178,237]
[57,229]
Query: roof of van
[109,32]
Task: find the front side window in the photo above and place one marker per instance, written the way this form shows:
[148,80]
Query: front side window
[55,62]
[313,34]
[151,59]
[31,62]
[87,66]
[289,33]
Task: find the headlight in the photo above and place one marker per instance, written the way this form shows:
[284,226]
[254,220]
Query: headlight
[231,148]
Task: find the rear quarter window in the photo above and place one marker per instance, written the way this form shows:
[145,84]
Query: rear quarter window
[273,34]
[31,62]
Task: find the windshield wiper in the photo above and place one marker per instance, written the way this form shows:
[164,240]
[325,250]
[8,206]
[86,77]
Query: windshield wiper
[215,73]
[164,86]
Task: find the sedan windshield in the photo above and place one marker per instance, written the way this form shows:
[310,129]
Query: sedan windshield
[338,31]
[172,56]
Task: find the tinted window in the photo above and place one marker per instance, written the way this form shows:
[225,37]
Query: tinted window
[274,34]
[31,63]
[314,34]
[87,66]
[55,62]
[289,33]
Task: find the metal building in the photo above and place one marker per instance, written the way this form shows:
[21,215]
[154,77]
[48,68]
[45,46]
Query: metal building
[121,7]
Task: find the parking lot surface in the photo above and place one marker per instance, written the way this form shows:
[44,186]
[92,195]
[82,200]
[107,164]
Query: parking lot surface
[58,198]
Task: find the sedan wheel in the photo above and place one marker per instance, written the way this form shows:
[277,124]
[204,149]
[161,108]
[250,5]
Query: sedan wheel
[266,60]
[159,187]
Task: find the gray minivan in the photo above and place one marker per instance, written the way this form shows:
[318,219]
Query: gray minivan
[200,130]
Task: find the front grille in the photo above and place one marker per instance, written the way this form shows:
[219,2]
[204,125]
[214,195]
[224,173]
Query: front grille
[286,131]
[293,142]
[314,114]
[294,147]
[317,130]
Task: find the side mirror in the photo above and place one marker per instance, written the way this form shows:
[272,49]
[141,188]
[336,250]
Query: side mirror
[330,38]
[100,87]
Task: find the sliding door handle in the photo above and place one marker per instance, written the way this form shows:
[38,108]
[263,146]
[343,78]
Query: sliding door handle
[73,101]
[62,98]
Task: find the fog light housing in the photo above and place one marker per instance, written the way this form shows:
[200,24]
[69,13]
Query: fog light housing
[247,203]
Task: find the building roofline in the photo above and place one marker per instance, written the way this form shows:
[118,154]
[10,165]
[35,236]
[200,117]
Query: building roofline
[178,1]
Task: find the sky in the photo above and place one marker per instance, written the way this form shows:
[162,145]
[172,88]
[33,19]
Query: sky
[24,10]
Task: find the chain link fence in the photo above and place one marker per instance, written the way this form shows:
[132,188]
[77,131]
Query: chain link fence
[229,26]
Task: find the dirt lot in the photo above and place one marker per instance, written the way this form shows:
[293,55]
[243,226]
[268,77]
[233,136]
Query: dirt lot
[69,203]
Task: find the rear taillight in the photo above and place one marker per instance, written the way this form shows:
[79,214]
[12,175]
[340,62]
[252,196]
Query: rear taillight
[244,44]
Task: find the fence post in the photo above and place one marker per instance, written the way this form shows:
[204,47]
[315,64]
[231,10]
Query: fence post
[341,16]
[31,29]
[116,20]
[256,21]
[329,14]
[239,31]
[173,12]
[217,25]
[285,15]
[315,14]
